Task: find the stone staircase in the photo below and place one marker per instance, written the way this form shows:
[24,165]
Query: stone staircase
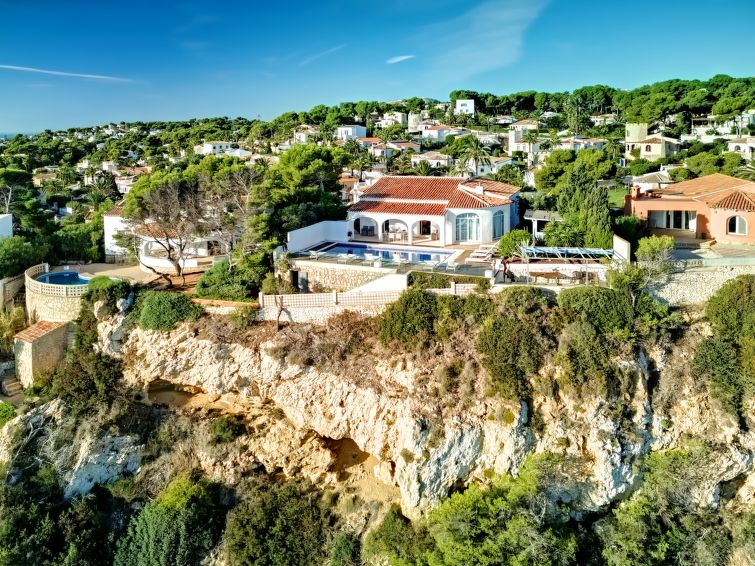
[11,386]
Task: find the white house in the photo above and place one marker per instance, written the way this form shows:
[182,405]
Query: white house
[446,210]
[114,224]
[212,147]
[603,119]
[464,107]
[305,134]
[652,181]
[393,118]
[434,158]
[200,254]
[440,133]
[494,165]
[743,146]
[349,132]
[109,166]
[576,143]
[124,183]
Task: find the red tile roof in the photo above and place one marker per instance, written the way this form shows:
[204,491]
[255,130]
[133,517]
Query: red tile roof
[117,210]
[451,192]
[736,200]
[389,207]
[37,330]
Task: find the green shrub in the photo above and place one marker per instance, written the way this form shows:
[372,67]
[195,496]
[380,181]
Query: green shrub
[608,310]
[179,527]
[410,319]
[244,317]
[655,248]
[585,358]
[161,310]
[716,362]
[524,300]
[226,428]
[102,288]
[345,550]
[240,282]
[396,541]
[434,280]
[278,526]
[511,353]
[7,412]
[731,310]
[86,381]
[508,245]
[11,323]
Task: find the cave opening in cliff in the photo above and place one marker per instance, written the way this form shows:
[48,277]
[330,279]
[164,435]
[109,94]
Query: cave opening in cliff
[347,455]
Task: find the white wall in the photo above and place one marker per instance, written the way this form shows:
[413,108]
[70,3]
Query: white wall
[325,231]
[113,225]
[6,225]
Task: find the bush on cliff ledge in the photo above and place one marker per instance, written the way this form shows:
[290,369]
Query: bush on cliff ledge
[163,311]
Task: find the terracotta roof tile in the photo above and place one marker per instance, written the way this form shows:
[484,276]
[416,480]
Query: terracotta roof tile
[705,186]
[389,207]
[117,210]
[736,200]
[37,330]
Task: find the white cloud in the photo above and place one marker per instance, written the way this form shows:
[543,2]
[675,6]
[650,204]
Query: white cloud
[398,59]
[320,55]
[65,74]
[488,37]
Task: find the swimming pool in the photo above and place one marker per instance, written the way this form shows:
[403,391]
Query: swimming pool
[63,278]
[410,255]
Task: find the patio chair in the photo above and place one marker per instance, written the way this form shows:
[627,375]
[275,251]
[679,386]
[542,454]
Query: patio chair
[369,259]
[400,260]
[314,255]
[451,266]
[346,258]
[479,258]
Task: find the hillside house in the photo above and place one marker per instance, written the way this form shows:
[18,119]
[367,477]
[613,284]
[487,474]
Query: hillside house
[464,107]
[345,133]
[743,146]
[212,148]
[715,207]
[446,210]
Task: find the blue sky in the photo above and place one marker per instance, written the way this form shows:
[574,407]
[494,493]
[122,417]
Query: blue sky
[174,60]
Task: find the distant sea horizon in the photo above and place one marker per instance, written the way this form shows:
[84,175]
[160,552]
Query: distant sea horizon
[9,135]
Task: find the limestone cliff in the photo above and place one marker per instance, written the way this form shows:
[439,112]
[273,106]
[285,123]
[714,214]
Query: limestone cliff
[429,441]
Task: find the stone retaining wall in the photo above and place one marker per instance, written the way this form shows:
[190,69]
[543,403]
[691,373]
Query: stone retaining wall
[53,309]
[695,286]
[336,277]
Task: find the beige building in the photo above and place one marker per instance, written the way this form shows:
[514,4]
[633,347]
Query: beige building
[39,349]
[658,147]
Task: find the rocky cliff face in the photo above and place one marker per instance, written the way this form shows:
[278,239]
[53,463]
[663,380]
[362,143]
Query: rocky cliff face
[427,442]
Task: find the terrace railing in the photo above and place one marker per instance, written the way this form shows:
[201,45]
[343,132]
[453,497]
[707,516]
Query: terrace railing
[49,289]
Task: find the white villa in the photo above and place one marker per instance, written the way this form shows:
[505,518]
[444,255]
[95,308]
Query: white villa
[434,158]
[441,210]
[198,255]
[464,107]
[212,147]
[743,146]
[345,133]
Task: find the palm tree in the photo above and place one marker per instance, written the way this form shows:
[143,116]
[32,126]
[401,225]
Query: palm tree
[424,169]
[530,137]
[746,172]
[404,161]
[613,148]
[474,151]
[364,162]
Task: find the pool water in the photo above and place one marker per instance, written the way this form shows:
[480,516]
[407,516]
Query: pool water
[62,278]
[411,255]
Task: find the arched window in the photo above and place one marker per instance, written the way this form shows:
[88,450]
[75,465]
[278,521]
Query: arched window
[737,225]
[468,227]
[648,148]
[737,148]
[498,224]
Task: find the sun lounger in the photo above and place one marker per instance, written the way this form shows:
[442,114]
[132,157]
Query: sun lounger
[479,258]
[451,266]
[346,258]
[315,255]
[369,259]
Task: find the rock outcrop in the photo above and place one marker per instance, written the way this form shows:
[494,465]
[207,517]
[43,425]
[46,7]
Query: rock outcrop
[424,448]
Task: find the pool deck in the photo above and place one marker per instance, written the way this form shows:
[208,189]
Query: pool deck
[130,273]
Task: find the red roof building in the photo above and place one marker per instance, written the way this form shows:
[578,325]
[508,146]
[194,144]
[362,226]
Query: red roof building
[446,210]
